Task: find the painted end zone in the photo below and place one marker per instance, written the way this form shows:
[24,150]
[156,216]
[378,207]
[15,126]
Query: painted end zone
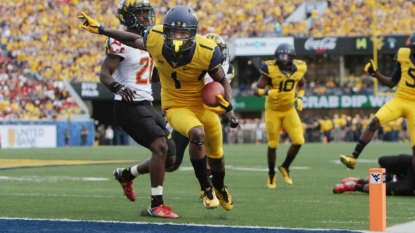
[16,225]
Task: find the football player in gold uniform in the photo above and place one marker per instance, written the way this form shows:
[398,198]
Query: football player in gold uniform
[182,141]
[182,58]
[279,81]
[401,105]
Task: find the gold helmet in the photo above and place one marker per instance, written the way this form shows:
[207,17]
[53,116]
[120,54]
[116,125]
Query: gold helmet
[222,45]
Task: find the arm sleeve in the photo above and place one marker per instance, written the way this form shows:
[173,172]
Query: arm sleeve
[216,59]
[397,73]
[264,69]
[145,36]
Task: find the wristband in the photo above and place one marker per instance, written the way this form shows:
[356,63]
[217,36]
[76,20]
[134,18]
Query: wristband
[114,86]
[262,92]
[101,29]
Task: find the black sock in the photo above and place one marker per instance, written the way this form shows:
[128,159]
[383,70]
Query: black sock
[271,168]
[209,172]
[218,179]
[359,148]
[201,172]
[358,187]
[156,200]
[361,181]
[127,175]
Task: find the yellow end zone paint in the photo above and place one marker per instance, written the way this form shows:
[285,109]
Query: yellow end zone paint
[16,163]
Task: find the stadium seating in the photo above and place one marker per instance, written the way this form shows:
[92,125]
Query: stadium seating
[44,36]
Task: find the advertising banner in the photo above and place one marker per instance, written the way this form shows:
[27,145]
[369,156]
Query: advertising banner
[349,45]
[318,102]
[259,46]
[28,136]
[98,91]
[93,91]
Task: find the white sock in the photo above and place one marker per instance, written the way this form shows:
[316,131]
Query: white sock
[157,191]
[134,171]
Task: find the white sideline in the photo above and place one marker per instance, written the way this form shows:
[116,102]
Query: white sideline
[408,227]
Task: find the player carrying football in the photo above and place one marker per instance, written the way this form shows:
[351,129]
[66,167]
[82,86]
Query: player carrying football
[128,72]
[182,141]
[279,81]
[182,58]
[401,105]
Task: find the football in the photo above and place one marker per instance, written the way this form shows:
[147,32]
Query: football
[209,93]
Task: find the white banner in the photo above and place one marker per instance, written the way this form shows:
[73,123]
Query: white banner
[28,136]
[259,46]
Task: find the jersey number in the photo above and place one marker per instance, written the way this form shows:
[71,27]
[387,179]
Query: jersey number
[148,65]
[286,86]
[411,74]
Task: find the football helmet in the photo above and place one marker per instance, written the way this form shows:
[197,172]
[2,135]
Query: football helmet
[284,56]
[222,45]
[127,10]
[411,44]
[179,28]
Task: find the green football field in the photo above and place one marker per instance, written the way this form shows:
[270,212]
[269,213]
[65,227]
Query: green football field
[78,184]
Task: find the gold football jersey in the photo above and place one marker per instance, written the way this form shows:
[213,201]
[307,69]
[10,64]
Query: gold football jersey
[285,83]
[406,85]
[182,79]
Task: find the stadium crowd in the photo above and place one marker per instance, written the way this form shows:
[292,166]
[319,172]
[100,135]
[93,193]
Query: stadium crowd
[322,128]
[41,42]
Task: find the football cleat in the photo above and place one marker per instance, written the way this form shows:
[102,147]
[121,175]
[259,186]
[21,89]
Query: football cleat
[210,181]
[210,201]
[353,179]
[225,198]
[161,211]
[286,175]
[272,181]
[126,185]
[348,160]
[344,187]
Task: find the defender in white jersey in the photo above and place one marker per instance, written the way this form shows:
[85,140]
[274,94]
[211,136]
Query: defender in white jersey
[182,141]
[128,72]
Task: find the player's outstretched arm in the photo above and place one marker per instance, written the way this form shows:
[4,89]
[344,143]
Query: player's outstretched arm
[127,38]
[372,70]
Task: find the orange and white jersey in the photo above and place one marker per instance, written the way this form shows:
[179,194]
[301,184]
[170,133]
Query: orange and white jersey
[229,73]
[134,71]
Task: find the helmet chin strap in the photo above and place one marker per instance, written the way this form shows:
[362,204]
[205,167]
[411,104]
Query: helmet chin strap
[177,44]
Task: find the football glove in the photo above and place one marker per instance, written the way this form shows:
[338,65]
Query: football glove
[91,25]
[272,94]
[233,122]
[298,103]
[123,91]
[371,67]
[224,106]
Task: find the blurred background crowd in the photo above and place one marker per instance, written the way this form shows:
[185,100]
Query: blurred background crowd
[42,46]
